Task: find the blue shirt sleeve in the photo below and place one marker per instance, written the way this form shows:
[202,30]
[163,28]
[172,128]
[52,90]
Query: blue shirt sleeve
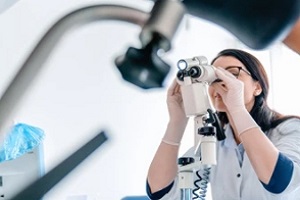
[159,194]
[281,176]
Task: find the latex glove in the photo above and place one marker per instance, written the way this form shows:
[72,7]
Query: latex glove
[177,117]
[175,104]
[231,90]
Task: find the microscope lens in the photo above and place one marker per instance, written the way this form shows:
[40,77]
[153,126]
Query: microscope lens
[182,64]
[195,72]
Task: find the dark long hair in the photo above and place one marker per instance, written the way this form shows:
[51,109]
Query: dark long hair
[264,116]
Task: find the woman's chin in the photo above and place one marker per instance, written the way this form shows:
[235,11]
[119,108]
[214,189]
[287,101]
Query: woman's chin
[220,107]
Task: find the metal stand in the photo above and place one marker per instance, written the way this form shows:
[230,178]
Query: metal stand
[204,151]
[194,76]
[185,178]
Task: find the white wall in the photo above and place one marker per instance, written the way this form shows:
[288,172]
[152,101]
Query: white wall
[79,92]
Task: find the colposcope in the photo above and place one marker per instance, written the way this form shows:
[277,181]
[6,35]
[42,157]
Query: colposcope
[194,77]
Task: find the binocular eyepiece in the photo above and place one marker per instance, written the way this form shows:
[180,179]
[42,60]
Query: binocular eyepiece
[194,72]
[197,68]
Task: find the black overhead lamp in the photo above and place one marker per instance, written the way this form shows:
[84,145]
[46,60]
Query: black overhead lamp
[256,23]
[144,67]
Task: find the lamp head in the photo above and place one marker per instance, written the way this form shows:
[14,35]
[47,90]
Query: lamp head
[257,24]
[143,67]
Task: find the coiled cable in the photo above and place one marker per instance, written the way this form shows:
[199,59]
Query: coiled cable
[201,184]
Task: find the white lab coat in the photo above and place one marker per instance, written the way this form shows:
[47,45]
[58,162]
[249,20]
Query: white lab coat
[233,178]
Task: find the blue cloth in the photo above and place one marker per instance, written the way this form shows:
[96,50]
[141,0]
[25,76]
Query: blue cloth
[21,139]
[158,194]
[281,176]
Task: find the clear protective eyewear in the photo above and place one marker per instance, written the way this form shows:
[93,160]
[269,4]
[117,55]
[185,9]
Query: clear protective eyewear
[236,70]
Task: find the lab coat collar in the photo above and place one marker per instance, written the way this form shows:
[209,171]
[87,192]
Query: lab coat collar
[229,142]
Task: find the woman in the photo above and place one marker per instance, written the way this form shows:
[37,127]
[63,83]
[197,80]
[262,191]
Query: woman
[260,157]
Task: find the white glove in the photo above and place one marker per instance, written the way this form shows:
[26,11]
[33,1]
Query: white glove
[177,117]
[232,92]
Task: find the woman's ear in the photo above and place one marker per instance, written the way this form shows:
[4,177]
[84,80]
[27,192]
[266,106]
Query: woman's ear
[258,89]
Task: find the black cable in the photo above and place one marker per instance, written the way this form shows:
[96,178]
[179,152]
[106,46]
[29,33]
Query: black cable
[201,184]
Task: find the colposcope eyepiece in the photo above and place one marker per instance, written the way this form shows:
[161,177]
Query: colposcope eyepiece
[197,68]
[194,72]
[180,75]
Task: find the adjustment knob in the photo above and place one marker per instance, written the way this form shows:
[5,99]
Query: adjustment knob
[185,160]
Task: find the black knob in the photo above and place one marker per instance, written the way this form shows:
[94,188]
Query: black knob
[185,160]
[207,131]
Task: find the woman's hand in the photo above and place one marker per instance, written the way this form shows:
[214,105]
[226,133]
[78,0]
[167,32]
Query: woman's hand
[178,119]
[175,104]
[230,89]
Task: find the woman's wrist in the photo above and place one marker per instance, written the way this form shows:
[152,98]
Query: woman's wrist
[174,132]
[242,120]
[170,142]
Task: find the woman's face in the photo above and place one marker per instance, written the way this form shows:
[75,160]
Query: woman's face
[251,87]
